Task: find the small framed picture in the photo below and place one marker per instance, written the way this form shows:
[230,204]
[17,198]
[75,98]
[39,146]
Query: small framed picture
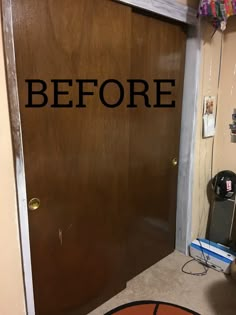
[209,113]
[209,105]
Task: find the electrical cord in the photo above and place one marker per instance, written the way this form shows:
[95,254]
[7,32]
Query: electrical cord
[205,264]
[199,274]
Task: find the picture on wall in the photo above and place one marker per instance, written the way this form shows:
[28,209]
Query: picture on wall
[209,116]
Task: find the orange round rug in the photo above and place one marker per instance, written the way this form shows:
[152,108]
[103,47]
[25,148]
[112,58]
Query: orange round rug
[151,308]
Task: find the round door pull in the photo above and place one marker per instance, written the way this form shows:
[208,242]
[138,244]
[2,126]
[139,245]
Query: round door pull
[34,204]
[175,162]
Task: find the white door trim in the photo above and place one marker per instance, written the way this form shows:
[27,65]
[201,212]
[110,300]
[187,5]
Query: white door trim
[18,152]
[187,140]
[188,129]
[169,8]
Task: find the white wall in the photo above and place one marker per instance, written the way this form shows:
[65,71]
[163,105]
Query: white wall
[210,62]
[225,150]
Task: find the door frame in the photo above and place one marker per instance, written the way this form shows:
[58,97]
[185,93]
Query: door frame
[166,8]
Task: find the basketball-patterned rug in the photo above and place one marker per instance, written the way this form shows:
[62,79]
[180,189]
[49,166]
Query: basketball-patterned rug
[151,308]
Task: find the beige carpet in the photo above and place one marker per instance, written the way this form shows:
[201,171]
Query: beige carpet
[212,294]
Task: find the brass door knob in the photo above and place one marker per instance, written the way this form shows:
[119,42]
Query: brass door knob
[34,204]
[175,162]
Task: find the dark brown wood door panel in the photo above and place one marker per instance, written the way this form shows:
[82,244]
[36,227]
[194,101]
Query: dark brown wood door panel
[158,51]
[104,176]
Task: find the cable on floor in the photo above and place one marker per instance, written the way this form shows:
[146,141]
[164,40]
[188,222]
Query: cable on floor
[204,265]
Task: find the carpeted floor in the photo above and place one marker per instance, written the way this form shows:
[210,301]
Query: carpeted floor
[213,294]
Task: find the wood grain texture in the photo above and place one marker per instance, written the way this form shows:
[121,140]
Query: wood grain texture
[158,50]
[76,159]
[103,176]
[203,168]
